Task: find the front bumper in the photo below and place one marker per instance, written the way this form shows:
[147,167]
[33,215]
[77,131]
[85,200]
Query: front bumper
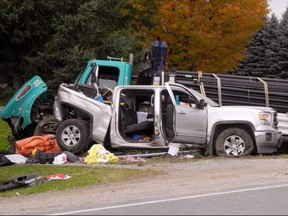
[268,141]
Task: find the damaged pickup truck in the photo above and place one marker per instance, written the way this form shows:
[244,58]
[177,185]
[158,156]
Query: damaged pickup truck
[157,117]
[137,116]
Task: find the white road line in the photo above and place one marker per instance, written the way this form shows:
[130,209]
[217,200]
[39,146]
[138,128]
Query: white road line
[172,199]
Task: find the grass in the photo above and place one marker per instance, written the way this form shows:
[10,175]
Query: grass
[5,131]
[81,176]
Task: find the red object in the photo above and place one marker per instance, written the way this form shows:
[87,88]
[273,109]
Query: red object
[59,176]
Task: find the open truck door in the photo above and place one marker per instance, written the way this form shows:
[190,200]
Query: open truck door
[188,115]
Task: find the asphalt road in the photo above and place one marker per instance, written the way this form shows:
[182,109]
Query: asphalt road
[263,200]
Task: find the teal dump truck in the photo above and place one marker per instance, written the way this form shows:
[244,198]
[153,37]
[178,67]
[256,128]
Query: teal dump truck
[30,111]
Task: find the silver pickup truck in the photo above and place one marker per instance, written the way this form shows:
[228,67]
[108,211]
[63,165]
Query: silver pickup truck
[155,117]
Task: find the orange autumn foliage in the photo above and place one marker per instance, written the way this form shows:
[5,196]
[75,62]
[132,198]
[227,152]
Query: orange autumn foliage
[206,35]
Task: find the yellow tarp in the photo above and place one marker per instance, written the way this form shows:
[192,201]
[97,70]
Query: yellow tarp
[98,154]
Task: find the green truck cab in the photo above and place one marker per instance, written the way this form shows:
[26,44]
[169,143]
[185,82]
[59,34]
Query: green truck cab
[30,111]
[106,70]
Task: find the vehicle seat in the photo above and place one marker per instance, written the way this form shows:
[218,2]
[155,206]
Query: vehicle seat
[129,120]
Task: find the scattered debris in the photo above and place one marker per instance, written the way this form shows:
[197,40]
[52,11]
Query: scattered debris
[173,150]
[188,156]
[16,158]
[44,143]
[49,157]
[44,150]
[146,155]
[21,181]
[98,154]
[132,159]
[4,160]
[58,176]
[60,159]
[155,154]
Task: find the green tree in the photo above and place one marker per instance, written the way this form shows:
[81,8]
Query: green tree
[138,17]
[261,56]
[79,34]
[24,26]
[283,50]
[54,38]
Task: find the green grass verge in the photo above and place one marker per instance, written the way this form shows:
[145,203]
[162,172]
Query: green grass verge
[5,131]
[81,176]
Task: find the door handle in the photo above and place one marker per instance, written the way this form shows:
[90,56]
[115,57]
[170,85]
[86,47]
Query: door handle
[181,112]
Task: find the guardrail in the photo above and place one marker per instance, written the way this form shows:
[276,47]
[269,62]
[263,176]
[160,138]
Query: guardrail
[283,125]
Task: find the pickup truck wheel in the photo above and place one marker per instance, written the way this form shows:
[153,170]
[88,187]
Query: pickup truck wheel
[73,135]
[234,142]
[46,126]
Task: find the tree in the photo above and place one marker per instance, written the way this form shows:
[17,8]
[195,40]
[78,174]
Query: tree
[283,50]
[54,38]
[138,17]
[207,35]
[79,33]
[261,56]
[24,25]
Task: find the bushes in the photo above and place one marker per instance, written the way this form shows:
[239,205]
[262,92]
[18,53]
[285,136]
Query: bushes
[5,94]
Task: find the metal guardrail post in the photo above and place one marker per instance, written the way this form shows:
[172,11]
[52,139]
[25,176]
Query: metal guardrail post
[219,89]
[202,89]
[201,84]
[266,91]
[131,58]
[199,75]
[114,58]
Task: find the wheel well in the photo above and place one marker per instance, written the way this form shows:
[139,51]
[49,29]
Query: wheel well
[70,111]
[219,128]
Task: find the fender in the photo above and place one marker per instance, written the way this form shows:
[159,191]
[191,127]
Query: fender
[227,123]
[20,105]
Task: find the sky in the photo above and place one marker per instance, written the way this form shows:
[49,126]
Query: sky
[278,7]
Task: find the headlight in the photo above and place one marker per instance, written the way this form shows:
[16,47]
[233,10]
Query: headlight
[265,118]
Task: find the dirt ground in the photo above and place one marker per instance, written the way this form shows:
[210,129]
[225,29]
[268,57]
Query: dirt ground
[193,176]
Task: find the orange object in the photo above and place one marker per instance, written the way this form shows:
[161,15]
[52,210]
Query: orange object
[44,143]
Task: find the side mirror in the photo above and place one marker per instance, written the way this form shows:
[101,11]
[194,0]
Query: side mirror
[202,104]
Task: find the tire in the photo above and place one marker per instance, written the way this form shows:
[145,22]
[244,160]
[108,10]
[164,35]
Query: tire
[35,110]
[46,126]
[233,142]
[73,135]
